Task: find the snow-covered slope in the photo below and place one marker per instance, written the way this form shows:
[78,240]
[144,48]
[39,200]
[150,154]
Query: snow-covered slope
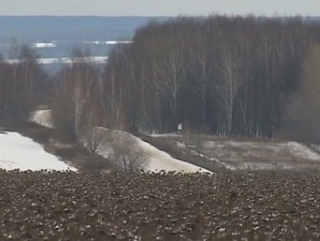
[19,152]
[158,160]
[41,117]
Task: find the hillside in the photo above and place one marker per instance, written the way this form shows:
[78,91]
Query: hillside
[240,153]
[157,160]
[210,152]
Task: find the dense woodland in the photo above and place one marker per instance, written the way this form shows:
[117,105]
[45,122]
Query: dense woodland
[218,75]
[222,75]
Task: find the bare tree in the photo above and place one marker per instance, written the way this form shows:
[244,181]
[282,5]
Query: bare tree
[170,74]
[79,97]
[229,84]
[200,81]
[301,121]
[128,155]
[251,66]
[92,134]
[75,98]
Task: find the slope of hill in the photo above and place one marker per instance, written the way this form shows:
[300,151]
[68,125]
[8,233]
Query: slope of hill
[210,152]
[243,153]
[157,160]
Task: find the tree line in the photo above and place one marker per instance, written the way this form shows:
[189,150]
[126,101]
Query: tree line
[219,75]
[23,85]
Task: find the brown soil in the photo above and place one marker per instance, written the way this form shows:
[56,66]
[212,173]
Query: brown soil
[97,206]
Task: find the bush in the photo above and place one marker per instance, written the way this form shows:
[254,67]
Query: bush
[128,155]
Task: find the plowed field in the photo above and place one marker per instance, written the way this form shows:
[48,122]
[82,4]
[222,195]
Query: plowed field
[117,206]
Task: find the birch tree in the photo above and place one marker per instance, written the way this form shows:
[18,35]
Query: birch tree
[229,84]
[73,98]
[200,69]
[170,74]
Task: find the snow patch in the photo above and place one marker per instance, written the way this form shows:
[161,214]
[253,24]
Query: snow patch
[114,42]
[108,42]
[90,59]
[303,151]
[40,45]
[65,60]
[42,117]
[19,152]
[165,135]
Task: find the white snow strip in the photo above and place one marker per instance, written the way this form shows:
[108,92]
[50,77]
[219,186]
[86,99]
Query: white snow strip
[113,42]
[109,42]
[19,152]
[165,135]
[65,60]
[40,45]
[12,61]
[91,59]
[48,61]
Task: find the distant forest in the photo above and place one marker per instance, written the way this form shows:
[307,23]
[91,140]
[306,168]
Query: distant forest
[218,75]
[221,75]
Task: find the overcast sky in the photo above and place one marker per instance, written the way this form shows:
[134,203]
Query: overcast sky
[159,7]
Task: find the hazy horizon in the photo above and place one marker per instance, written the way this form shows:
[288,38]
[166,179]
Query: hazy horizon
[122,8]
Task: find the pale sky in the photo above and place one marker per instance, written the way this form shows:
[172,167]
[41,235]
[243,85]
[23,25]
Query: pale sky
[159,7]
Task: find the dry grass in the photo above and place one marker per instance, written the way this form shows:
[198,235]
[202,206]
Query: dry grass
[238,153]
[243,153]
